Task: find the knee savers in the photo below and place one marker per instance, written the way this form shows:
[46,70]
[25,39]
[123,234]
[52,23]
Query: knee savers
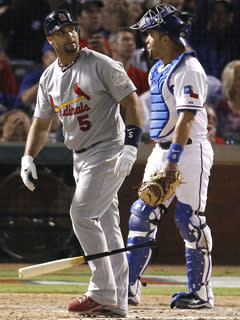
[143,219]
[142,228]
[192,227]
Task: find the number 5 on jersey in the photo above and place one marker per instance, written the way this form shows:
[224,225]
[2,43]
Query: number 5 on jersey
[84,124]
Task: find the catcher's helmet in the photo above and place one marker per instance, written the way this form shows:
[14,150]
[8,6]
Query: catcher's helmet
[57,19]
[167,19]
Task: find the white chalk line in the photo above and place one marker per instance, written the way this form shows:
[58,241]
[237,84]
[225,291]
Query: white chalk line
[217,282]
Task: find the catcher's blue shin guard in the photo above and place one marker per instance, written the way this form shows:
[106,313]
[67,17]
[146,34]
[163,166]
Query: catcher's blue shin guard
[142,227]
[198,245]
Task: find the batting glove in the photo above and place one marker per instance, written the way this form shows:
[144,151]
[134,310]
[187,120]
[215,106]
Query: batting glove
[28,172]
[125,161]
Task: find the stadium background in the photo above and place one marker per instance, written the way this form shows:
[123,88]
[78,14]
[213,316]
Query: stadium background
[37,225]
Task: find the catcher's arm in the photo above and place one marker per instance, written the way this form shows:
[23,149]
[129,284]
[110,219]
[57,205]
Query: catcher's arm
[183,127]
[180,137]
[163,184]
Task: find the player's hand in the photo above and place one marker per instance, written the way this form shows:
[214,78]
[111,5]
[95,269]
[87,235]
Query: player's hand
[170,166]
[125,161]
[28,172]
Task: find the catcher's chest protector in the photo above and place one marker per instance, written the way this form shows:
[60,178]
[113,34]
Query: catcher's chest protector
[159,111]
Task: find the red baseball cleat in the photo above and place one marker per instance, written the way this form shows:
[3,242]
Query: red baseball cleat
[88,306]
[84,304]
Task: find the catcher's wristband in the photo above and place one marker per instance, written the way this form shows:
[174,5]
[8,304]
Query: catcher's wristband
[175,152]
[133,135]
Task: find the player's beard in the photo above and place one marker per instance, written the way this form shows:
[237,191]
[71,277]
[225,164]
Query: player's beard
[71,49]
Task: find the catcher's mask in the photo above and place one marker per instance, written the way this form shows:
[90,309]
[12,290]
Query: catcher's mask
[56,20]
[167,19]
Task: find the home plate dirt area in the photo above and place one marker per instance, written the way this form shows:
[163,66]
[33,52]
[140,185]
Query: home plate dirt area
[21,306]
[42,306]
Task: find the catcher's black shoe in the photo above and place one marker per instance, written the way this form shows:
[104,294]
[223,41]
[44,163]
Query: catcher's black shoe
[183,300]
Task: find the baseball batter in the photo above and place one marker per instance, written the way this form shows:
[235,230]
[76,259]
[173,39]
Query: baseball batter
[85,88]
[178,124]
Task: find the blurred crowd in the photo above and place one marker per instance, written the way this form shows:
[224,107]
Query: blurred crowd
[104,27]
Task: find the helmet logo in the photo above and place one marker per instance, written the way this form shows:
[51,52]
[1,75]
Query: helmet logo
[62,17]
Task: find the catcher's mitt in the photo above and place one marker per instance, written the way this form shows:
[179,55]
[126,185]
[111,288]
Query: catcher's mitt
[160,187]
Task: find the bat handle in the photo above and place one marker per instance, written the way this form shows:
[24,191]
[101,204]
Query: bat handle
[151,243]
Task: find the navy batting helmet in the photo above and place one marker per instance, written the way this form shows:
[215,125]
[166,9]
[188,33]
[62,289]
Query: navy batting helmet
[57,19]
[167,19]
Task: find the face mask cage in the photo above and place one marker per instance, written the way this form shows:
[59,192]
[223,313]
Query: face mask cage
[154,17]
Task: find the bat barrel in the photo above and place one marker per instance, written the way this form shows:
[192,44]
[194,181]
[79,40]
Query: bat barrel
[48,267]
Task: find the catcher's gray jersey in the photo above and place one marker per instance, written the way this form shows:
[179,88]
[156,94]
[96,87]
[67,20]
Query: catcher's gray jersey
[86,97]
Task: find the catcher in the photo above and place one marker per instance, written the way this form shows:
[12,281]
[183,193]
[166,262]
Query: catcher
[180,162]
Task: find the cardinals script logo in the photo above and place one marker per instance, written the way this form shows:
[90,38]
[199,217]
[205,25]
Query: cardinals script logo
[81,95]
[81,110]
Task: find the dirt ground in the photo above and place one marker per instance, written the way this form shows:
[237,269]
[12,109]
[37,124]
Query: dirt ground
[23,306]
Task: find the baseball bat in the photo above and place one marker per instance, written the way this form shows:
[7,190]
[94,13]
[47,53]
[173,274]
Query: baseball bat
[57,265]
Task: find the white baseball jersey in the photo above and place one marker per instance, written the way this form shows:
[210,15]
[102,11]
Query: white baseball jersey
[86,97]
[184,88]
[190,91]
